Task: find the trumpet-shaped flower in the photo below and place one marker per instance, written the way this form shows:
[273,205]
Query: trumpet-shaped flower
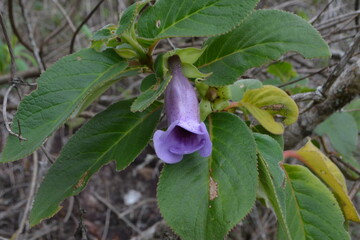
[185,134]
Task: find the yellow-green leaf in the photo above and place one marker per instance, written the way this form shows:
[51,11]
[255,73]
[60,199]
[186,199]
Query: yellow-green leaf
[266,102]
[325,169]
[190,71]
[189,55]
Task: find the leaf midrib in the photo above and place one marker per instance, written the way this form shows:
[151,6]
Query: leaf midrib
[297,205]
[244,49]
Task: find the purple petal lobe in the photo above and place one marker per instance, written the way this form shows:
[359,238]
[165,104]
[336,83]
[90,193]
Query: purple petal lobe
[162,151]
[206,150]
[171,145]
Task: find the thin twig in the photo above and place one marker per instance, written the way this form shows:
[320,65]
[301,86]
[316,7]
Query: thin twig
[47,154]
[341,39]
[30,196]
[302,78]
[12,209]
[352,110]
[347,165]
[339,28]
[70,209]
[81,231]
[121,215]
[82,24]
[59,29]
[107,223]
[355,189]
[63,11]
[42,232]
[312,21]
[30,73]
[12,56]
[4,110]
[31,37]
[14,28]
[171,43]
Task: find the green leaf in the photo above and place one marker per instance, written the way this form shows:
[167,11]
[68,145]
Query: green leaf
[312,212]
[266,102]
[278,138]
[203,198]
[262,37]
[150,95]
[128,17]
[147,82]
[190,71]
[126,51]
[282,70]
[342,131]
[63,88]
[271,176]
[104,33]
[99,90]
[187,56]
[192,18]
[272,153]
[114,134]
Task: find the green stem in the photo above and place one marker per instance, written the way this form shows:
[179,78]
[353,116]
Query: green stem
[134,44]
[144,58]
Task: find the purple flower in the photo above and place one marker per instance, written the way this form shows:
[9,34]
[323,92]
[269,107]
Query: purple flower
[185,134]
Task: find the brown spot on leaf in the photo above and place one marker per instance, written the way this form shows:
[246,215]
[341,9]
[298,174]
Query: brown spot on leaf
[213,188]
[158,23]
[275,107]
[81,181]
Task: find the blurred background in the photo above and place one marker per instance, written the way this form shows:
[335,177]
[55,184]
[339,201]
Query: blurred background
[122,205]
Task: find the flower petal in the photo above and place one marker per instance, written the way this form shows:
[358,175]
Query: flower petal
[162,148]
[206,150]
[179,139]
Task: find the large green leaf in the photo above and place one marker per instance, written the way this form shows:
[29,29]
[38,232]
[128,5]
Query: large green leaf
[263,36]
[62,89]
[272,176]
[342,131]
[203,198]
[312,212]
[193,18]
[115,134]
